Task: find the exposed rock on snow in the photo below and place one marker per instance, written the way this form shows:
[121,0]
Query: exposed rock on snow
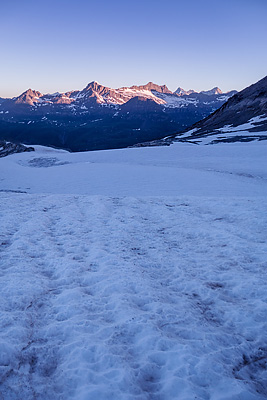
[7,148]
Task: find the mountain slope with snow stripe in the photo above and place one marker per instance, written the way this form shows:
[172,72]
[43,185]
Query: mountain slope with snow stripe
[242,117]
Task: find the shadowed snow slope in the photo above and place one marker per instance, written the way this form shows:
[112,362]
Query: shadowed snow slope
[134,274]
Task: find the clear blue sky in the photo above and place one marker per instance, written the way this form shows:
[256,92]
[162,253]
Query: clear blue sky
[60,45]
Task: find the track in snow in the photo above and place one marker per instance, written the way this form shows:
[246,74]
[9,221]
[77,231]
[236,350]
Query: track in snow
[125,298]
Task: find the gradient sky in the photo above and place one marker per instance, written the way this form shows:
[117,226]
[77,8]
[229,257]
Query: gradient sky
[61,45]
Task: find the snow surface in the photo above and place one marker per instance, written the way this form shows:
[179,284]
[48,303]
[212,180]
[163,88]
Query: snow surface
[134,274]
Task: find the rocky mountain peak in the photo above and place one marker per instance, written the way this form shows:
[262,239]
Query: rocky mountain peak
[212,91]
[28,97]
[93,91]
[153,86]
[181,92]
[94,85]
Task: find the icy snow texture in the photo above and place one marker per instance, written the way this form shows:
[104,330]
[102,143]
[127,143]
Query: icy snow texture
[159,297]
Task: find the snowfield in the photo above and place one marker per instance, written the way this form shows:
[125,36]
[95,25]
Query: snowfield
[135,274]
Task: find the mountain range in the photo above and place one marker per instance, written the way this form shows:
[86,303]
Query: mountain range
[95,92]
[99,117]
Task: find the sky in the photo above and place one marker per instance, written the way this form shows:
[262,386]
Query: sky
[62,45]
